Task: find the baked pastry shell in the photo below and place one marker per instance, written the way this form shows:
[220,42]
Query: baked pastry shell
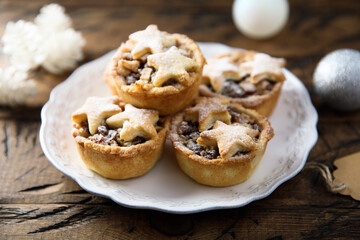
[264,104]
[117,162]
[219,172]
[167,100]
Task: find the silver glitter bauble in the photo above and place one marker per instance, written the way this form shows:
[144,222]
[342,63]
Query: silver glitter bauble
[337,79]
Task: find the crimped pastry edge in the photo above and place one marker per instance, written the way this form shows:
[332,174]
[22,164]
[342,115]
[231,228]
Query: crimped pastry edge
[218,172]
[117,162]
[264,104]
[167,100]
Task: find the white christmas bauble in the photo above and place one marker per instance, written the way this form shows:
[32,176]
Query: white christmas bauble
[260,19]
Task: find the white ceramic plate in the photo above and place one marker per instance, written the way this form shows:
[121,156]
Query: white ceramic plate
[166,187]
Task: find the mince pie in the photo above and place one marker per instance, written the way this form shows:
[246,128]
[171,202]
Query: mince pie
[118,140]
[246,77]
[156,70]
[217,142]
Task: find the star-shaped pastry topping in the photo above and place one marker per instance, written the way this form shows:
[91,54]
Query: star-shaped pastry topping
[171,64]
[135,122]
[207,111]
[220,69]
[95,110]
[263,67]
[149,40]
[229,139]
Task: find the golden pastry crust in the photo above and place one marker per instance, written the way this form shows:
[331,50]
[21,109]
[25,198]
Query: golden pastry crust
[148,89]
[206,112]
[120,162]
[116,162]
[220,172]
[264,104]
[240,65]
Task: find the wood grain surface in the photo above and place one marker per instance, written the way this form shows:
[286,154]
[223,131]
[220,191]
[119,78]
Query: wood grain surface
[39,202]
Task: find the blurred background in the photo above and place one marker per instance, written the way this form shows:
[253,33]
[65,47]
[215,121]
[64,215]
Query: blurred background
[313,29]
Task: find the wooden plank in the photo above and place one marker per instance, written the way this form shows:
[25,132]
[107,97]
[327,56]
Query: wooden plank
[97,222]
[25,158]
[4,142]
[338,135]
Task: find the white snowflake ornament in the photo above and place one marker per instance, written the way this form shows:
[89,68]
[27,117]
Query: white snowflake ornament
[15,87]
[64,50]
[23,44]
[50,43]
[52,18]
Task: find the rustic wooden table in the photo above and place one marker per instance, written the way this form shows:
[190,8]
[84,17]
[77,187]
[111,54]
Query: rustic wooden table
[39,202]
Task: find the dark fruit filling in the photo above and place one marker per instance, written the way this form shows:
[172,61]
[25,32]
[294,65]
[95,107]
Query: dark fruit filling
[243,88]
[132,78]
[189,131]
[237,117]
[111,137]
[135,76]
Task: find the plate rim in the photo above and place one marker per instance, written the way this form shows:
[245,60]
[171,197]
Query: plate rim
[313,134]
